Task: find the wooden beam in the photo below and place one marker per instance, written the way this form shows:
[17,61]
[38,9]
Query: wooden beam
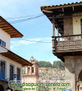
[5,28]
[53,21]
[4,25]
[58,34]
[63,9]
[73,8]
[53,29]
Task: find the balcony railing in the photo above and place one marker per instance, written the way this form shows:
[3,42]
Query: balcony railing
[68,43]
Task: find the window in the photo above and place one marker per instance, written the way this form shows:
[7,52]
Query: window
[2,70]
[81,26]
[2,43]
[28,70]
[11,72]
[32,69]
[18,74]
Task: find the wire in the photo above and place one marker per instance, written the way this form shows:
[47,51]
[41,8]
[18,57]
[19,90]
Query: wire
[23,19]
[14,18]
[36,41]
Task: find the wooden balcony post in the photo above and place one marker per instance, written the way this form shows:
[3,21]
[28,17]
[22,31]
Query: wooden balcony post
[53,29]
[58,35]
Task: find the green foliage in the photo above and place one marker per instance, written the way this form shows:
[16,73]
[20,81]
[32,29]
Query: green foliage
[56,64]
[44,64]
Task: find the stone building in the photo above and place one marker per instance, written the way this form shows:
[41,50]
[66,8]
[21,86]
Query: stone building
[67,39]
[10,63]
[30,73]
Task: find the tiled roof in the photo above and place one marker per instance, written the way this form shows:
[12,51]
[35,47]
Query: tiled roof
[8,28]
[62,5]
[9,54]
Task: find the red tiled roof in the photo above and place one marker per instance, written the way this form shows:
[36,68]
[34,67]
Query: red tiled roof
[61,5]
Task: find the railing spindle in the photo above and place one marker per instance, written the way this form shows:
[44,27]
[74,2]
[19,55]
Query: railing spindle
[64,43]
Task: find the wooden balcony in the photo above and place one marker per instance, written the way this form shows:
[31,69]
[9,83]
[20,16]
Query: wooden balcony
[67,44]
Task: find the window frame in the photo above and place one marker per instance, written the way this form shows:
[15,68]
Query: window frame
[10,72]
[2,43]
[18,75]
[3,72]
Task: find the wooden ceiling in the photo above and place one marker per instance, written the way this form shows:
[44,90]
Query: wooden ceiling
[8,28]
[16,58]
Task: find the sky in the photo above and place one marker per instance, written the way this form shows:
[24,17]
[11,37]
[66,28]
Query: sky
[35,30]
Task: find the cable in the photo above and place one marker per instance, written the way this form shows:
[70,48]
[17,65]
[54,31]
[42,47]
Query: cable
[26,18]
[18,17]
[36,41]
[23,19]
[14,18]
[30,40]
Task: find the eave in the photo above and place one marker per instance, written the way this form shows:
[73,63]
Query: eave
[8,28]
[57,13]
[9,54]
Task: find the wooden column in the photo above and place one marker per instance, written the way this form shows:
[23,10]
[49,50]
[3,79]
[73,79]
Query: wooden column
[58,35]
[53,29]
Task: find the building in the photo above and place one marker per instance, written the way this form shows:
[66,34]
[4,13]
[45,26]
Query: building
[10,63]
[31,73]
[43,69]
[67,39]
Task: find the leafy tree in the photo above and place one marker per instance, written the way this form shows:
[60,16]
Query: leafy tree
[44,64]
[58,65]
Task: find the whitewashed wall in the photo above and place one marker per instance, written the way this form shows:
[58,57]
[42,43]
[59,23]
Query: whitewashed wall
[5,37]
[77,23]
[8,63]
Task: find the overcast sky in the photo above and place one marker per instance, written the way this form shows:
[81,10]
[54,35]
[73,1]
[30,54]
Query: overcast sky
[35,30]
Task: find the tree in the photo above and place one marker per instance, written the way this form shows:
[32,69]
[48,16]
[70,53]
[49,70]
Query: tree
[44,64]
[58,65]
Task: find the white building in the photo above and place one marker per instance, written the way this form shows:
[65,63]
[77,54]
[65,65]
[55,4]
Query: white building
[10,63]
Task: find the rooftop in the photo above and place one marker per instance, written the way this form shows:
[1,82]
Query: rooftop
[61,5]
[8,28]
[57,13]
[9,54]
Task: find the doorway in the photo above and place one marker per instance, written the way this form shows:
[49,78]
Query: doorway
[80,81]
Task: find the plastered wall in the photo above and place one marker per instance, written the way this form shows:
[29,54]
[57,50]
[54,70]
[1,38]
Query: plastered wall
[77,23]
[8,63]
[5,37]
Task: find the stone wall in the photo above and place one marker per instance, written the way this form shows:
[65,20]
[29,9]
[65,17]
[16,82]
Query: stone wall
[73,67]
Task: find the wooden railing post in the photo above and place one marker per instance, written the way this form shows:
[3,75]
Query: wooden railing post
[58,35]
[66,43]
[53,29]
[53,26]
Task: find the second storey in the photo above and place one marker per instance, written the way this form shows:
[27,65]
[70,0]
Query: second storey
[67,28]
[7,31]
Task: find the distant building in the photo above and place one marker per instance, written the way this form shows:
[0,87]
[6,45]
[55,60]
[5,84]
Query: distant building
[30,73]
[43,69]
[10,63]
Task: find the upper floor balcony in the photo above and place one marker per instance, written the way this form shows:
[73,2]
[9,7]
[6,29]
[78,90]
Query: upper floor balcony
[67,44]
